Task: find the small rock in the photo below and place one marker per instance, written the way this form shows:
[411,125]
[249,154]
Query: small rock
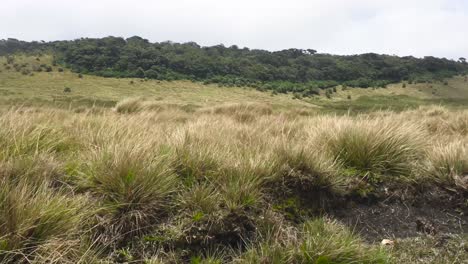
[387,242]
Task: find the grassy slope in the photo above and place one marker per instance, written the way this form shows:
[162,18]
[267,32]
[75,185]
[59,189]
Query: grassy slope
[48,88]
[456,88]
[395,97]
[233,150]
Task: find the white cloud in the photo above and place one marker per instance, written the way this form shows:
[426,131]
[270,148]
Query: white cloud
[403,27]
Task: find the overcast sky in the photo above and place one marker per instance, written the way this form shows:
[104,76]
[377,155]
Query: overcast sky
[402,27]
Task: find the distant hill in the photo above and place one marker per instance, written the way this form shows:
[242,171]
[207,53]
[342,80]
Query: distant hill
[35,81]
[304,72]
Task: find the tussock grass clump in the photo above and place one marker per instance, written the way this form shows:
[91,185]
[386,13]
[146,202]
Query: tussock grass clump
[433,110]
[328,241]
[240,189]
[134,185]
[34,169]
[137,105]
[200,198]
[319,241]
[221,155]
[241,112]
[374,148]
[438,120]
[20,136]
[453,123]
[253,108]
[430,250]
[237,186]
[449,164]
[196,160]
[460,124]
[307,166]
[32,217]
[130,105]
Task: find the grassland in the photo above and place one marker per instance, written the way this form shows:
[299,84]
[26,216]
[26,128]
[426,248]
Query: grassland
[179,172]
[47,88]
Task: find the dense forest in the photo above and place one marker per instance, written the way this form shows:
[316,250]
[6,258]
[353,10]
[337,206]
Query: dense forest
[291,70]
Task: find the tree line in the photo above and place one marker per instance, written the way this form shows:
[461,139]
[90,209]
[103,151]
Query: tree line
[290,70]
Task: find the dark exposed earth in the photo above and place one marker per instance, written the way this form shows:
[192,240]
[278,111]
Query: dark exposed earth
[437,213]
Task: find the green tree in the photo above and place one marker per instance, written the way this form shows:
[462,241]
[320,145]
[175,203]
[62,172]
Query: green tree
[140,73]
[152,74]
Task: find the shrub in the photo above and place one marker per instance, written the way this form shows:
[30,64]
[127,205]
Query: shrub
[80,75]
[297,96]
[67,90]
[152,74]
[25,71]
[10,59]
[60,69]
[140,73]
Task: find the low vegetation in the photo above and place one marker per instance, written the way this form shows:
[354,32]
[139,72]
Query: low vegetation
[115,170]
[240,183]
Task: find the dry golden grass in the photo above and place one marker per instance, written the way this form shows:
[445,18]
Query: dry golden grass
[47,88]
[456,87]
[121,177]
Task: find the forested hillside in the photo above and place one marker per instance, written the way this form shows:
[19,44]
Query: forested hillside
[292,70]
